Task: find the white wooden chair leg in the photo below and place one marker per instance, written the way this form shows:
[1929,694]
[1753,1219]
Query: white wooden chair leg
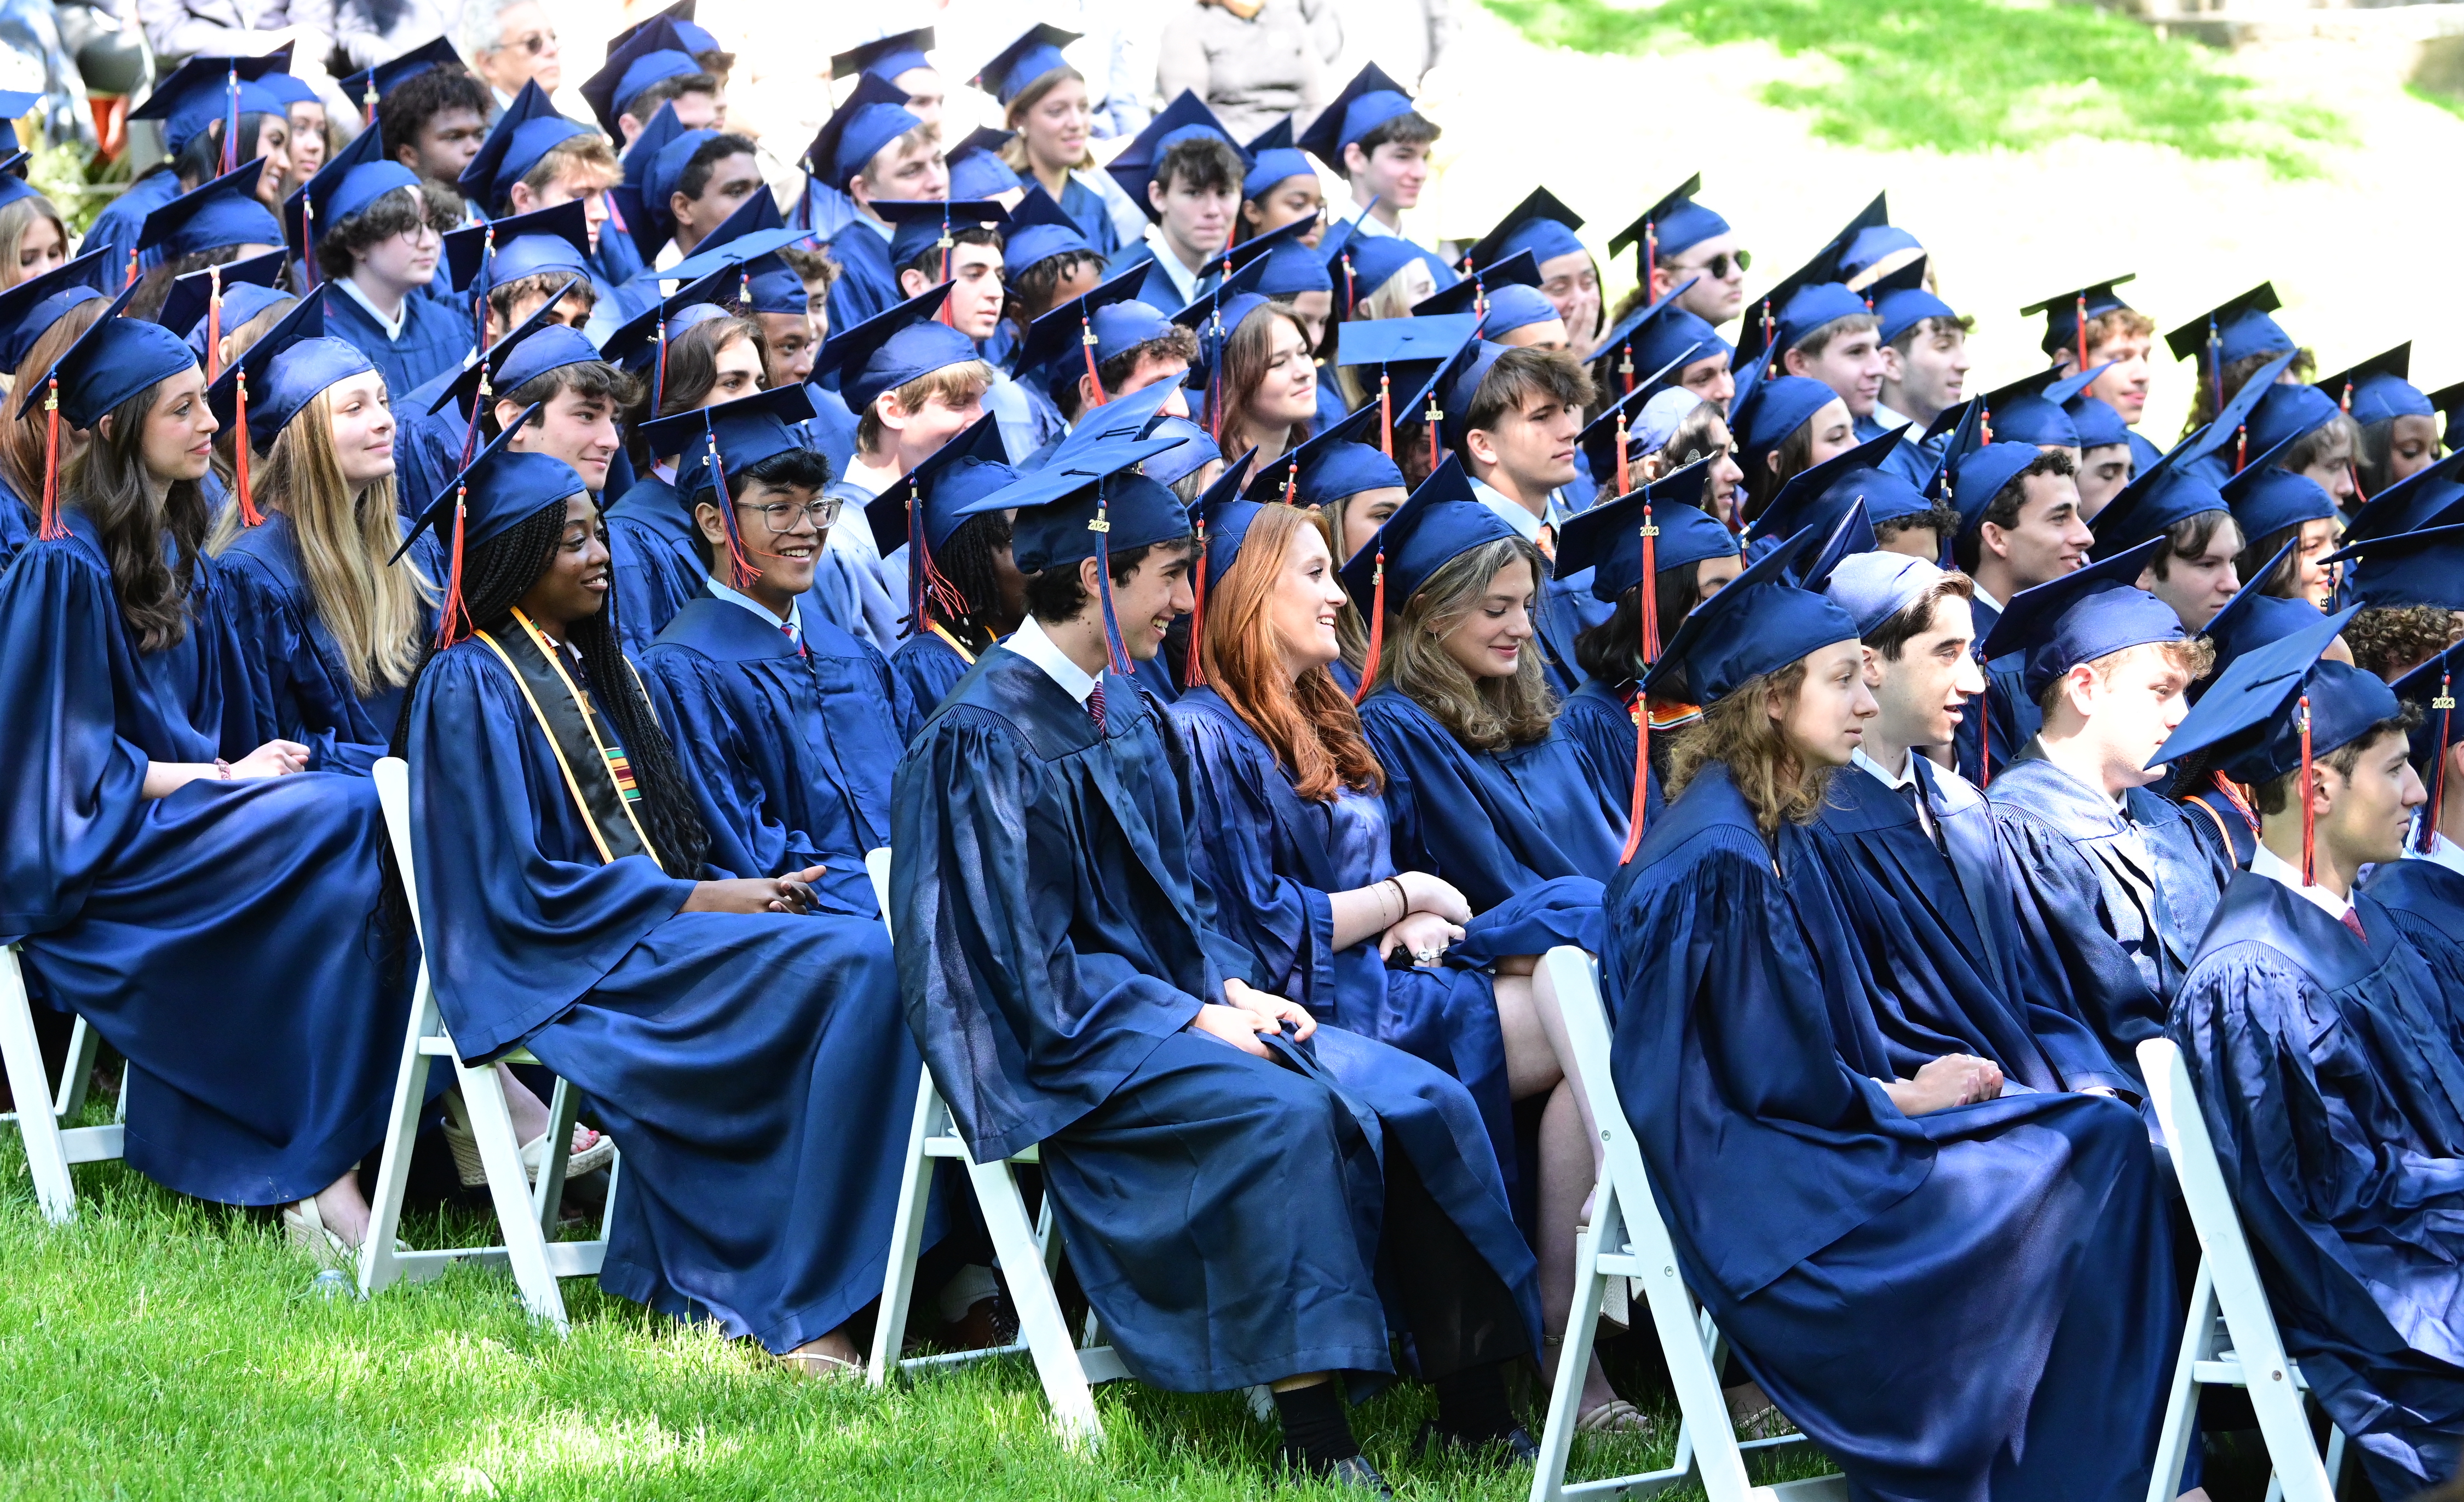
[905,1239]
[377,1266]
[547,1196]
[85,1043]
[31,1086]
[2182,1398]
[1574,1362]
[1039,1312]
[492,1124]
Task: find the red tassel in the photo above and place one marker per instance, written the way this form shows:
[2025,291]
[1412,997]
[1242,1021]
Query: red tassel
[2309,811]
[214,323]
[51,527]
[1376,625]
[2241,448]
[132,270]
[1087,347]
[2360,497]
[1624,480]
[1430,418]
[1385,413]
[742,574]
[368,101]
[1648,599]
[450,613]
[248,511]
[1196,671]
[2444,705]
[1625,366]
[2346,405]
[2083,334]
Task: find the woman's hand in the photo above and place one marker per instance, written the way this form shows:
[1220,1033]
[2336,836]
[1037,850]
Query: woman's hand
[1953,1079]
[792,893]
[273,759]
[1423,936]
[1428,895]
[1237,1025]
[1271,1010]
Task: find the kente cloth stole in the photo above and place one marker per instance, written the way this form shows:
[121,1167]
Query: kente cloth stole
[596,771]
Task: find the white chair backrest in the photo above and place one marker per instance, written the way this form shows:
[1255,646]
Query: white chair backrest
[392,777]
[876,865]
[2239,1293]
[1576,977]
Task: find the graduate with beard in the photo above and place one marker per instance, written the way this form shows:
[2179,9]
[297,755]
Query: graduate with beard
[781,717]
[744,1046]
[1221,1196]
[2324,1057]
[1958,1294]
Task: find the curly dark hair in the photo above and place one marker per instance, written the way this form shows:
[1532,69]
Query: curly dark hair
[341,244]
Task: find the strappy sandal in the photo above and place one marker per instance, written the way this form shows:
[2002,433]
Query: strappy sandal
[592,1150]
[819,1366]
[1617,1416]
[306,1229]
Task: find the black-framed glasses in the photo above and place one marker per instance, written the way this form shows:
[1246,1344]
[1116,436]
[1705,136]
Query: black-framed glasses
[779,516]
[1718,265]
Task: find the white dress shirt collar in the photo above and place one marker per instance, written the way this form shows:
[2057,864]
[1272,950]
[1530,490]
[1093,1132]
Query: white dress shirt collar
[793,625]
[2266,863]
[392,326]
[1029,642]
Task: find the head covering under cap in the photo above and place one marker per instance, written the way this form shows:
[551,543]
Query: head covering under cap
[871,117]
[2089,612]
[2412,568]
[1038,231]
[1874,586]
[1671,226]
[223,213]
[889,349]
[523,135]
[1607,538]
[1019,65]
[395,72]
[206,89]
[2424,498]
[29,309]
[1368,101]
[2378,389]
[2251,720]
[2066,316]
[1274,157]
[886,56]
[1759,623]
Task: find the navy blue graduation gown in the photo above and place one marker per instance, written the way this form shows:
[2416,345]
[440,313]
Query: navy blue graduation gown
[427,445]
[219,938]
[123,221]
[434,337]
[17,524]
[655,557]
[2003,709]
[2426,899]
[927,668]
[1974,1303]
[790,751]
[2221,823]
[2110,901]
[1493,823]
[1565,609]
[1092,215]
[1053,948]
[2326,1069]
[751,1065]
[313,701]
[832,428]
[1599,727]
[1936,937]
[867,284]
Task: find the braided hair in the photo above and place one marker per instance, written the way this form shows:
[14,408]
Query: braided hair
[966,560]
[497,574]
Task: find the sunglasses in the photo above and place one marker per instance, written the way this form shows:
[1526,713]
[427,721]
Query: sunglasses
[537,42]
[1718,265]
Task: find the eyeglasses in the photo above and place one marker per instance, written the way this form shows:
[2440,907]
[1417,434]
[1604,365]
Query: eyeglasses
[779,516]
[1718,265]
[537,42]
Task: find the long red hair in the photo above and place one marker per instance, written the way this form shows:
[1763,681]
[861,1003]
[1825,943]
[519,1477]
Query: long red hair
[1309,723]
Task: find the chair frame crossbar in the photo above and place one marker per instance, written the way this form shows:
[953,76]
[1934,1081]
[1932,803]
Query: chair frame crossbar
[51,1145]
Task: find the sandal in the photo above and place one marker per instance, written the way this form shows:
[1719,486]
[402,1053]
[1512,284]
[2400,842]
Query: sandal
[592,1150]
[819,1366]
[1617,1416]
[307,1231]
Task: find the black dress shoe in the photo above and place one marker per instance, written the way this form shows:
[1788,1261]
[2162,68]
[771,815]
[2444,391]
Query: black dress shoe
[1356,1474]
[1515,1447]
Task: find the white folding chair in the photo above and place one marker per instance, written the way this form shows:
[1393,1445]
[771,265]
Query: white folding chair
[2230,1340]
[1627,1239]
[526,1213]
[50,1146]
[1029,1254]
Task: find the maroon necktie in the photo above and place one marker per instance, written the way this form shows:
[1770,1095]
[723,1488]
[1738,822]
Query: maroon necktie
[1095,704]
[2353,921]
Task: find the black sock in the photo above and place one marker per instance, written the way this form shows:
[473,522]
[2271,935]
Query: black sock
[1317,1432]
[1472,1405]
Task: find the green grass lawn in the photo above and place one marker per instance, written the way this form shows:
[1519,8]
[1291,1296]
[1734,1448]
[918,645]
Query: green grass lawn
[1967,75]
[164,1348]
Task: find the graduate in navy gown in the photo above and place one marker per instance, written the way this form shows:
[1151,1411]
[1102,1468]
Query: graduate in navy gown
[40,319]
[370,229]
[172,873]
[1221,1196]
[963,592]
[2323,1058]
[1958,1294]
[1044,101]
[1482,789]
[867,140]
[2424,892]
[1692,557]
[783,719]
[2113,885]
[1911,853]
[745,1048]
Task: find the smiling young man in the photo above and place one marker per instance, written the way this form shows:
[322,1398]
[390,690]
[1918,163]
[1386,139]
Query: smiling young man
[2094,324]
[1372,139]
[1522,417]
[2018,527]
[2318,1040]
[1845,354]
[2114,885]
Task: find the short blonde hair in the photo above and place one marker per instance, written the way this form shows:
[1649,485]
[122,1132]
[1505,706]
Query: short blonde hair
[952,385]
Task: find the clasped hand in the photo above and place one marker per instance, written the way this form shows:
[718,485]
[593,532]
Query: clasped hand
[792,893]
[1249,1012]
[1953,1079]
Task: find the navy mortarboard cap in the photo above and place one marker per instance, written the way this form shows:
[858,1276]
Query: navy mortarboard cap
[2432,686]
[1360,264]
[2152,502]
[1471,295]
[874,116]
[962,471]
[1024,62]
[287,88]
[1214,313]
[528,351]
[2424,498]
[753,229]
[1979,475]
[192,295]
[1803,501]
[639,343]
[29,309]
[1368,101]
[1293,269]
[1067,327]
[356,176]
[887,57]
[654,53]
[1449,396]
[528,130]
[2253,719]
[223,213]
[889,349]
[2265,499]
[2412,568]
[1902,301]
[2033,409]
[1122,419]
[1759,623]
[109,364]
[2254,618]
[1272,159]
[2215,452]
[2089,612]
[1194,450]
[977,169]
[205,89]
[2379,389]
[1094,505]
[495,251]
[370,85]
[2233,330]
[691,36]
[1765,415]
[1870,247]
[1607,537]
[1873,586]
[1671,226]
[741,433]
[283,372]
[1439,523]
[1811,307]
[924,223]
[1514,306]
[2066,316]
[1185,118]
[2449,403]
[1541,223]
[1600,435]
[1385,342]
[2285,412]
[1283,480]
[1661,334]
[2096,422]
[1220,516]
[1038,231]
[497,490]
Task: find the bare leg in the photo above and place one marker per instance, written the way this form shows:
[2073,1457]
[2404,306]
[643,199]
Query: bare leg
[345,1209]
[827,1355]
[529,1111]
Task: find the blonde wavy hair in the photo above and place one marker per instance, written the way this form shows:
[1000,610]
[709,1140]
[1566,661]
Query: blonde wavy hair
[1489,714]
[1743,732]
